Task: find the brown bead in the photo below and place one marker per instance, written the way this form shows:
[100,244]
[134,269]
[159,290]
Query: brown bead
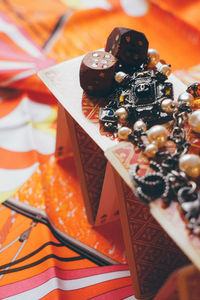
[128,45]
[97,72]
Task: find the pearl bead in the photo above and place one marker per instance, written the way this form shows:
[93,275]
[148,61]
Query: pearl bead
[153,57]
[186,98]
[165,69]
[140,125]
[196,230]
[194,121]
[151,150]
[190,164]
[121,113]
[119,76]
[166,105]
[124,132]
[158,134]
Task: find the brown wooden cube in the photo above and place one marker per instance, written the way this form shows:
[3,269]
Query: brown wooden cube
[97,72]
[128,45]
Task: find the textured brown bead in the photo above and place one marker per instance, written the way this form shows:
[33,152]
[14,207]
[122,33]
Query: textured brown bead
[128,45]
[97,72]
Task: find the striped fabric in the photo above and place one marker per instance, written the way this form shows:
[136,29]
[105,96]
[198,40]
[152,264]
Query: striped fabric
[34,262]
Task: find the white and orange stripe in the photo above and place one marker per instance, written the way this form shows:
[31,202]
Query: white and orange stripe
[54,278]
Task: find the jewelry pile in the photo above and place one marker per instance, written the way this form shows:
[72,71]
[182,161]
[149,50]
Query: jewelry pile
[139,99]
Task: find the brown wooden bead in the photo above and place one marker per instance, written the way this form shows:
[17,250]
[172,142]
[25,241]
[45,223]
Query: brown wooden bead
[97,72]
[128,45]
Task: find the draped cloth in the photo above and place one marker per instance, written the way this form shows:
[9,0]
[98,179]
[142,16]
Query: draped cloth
[42,212]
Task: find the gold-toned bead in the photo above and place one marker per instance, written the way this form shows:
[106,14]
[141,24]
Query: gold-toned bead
[119,76]
[153,57]
[190,164]
[121,113]
[194,121]
[139,124]
[158,134]
[167,105]
[165,69]
[150,150]
[186,98]
[196,230]
[124,132]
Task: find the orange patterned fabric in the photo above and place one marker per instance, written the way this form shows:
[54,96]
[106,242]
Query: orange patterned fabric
[34,187]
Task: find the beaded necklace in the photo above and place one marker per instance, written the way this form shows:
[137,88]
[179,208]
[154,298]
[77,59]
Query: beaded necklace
[139,103]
